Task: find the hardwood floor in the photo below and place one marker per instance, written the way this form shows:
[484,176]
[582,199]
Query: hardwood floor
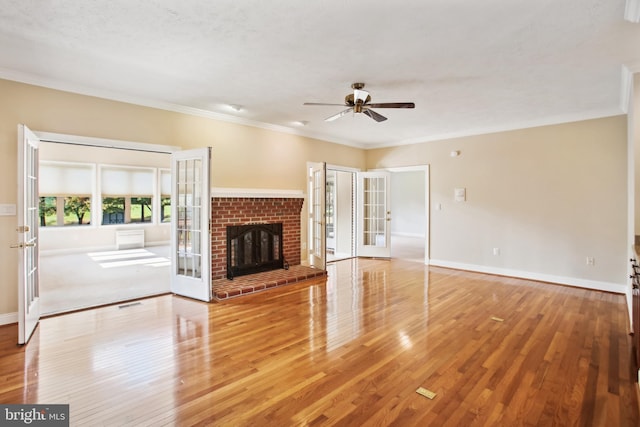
[351,351]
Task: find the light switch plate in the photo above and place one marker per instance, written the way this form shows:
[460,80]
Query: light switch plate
[7,210]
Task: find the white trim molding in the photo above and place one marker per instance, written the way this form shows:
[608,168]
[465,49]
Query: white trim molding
[8,318]
[256,193]
[575,282]
[104,142]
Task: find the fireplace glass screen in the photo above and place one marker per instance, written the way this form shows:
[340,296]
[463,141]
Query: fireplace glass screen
[253,248]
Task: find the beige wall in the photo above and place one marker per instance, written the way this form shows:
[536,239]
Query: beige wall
[547,197]
[243,157]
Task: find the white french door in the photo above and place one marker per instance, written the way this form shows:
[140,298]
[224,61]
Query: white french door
[317,213]
[190,224]
[27,210]
[374,214]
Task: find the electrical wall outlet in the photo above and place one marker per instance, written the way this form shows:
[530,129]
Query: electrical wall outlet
[591,260]
[496,251]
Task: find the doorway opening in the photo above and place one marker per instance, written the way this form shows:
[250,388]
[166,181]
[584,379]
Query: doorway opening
[350,205]
[410,213]
[105,219]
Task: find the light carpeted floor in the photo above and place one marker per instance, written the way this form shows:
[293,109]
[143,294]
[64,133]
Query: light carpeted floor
[74,281]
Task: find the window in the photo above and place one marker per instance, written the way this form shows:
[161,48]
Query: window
[165,195]
[127,194]
[113,210]
[140,209]
[48,211]
[60,210]
[65,193]
[165,209]
[77,210]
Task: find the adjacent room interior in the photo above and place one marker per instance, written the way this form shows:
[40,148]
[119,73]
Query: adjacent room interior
[113,251]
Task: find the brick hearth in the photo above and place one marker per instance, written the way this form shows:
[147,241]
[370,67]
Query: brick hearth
[243,285]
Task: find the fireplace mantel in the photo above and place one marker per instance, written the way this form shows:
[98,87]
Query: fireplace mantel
[256,193]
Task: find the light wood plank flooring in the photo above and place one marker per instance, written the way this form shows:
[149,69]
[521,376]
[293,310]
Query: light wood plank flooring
[350,351]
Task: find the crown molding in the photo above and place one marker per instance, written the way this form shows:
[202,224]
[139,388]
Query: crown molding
[104,142]
[34,80]
[547,121]
[632,11]
[161,105]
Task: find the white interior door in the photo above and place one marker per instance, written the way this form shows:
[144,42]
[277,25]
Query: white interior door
[374,214]
[317,212]
[27,210]
[190,224]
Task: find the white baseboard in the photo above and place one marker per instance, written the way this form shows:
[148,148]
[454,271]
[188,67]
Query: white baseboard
[8,318]
[72,251]
[561,280]
[158,243]
[401,234]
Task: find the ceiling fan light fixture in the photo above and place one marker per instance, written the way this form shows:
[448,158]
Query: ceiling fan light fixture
[360,95]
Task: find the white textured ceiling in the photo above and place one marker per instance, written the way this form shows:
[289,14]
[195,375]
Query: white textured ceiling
[470,66]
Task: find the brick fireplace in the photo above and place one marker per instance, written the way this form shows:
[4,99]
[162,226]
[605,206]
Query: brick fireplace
[253,207]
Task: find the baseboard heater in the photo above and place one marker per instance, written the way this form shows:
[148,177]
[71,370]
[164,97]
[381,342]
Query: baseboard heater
[129,239]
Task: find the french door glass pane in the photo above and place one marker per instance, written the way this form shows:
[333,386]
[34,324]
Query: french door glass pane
[374,212]
[32,223]
[317,204]
[189,227]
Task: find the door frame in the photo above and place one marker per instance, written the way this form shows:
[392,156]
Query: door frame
[104,143]
[427,202]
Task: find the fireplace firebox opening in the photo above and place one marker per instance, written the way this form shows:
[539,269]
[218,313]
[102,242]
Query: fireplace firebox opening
[254,248]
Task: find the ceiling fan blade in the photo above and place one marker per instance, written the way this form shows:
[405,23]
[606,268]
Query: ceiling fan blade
[322,103]
[337,116]
[393,105]
[375,116]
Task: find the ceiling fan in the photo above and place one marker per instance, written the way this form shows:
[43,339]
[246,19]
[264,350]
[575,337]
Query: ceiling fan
[360,102]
